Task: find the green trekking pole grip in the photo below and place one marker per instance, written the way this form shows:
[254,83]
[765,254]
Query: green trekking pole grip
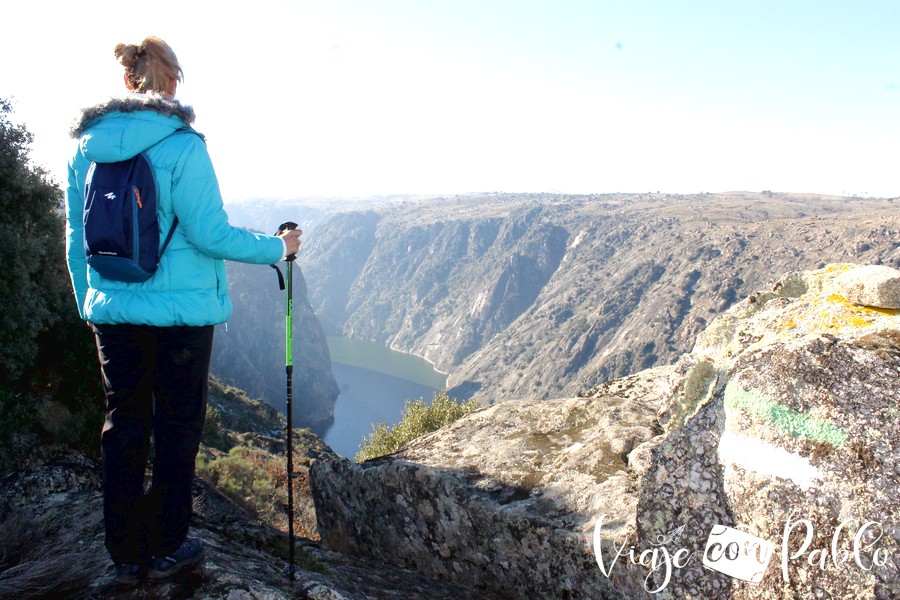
[289,314]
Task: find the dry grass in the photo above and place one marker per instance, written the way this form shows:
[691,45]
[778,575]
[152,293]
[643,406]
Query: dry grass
[36,562]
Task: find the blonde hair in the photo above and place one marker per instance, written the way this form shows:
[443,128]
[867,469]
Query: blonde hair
[150,66]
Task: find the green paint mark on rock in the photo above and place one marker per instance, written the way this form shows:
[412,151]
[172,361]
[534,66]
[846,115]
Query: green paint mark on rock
[782,417]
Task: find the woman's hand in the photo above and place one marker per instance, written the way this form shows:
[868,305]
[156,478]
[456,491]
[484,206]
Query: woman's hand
[291,238]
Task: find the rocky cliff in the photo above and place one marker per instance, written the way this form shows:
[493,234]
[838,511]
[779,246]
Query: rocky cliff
[537,296]
[761,464]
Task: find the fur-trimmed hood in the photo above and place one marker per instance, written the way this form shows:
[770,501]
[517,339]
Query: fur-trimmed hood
[124,127]
[132,103]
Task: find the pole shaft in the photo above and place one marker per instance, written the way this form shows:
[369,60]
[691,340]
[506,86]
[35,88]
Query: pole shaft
[289,369]
[289,318]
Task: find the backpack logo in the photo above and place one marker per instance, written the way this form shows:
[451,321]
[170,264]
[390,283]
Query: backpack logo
[110,195]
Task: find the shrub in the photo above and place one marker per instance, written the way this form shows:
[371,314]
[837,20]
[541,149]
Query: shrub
[49,386]
[246,475]
[32,265]
[418,418]
[256,480]
[214,435]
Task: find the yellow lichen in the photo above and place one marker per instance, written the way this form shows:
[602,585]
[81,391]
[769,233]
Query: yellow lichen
[835,269]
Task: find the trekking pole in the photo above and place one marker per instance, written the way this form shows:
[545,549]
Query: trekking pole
[289,370]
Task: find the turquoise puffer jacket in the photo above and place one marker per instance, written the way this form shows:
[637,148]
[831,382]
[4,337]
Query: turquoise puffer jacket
[190,287]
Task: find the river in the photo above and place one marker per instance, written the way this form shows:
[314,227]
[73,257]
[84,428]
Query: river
[374,383]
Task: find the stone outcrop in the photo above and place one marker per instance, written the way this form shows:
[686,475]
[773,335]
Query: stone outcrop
[877,286]
[505,497]
[777,432]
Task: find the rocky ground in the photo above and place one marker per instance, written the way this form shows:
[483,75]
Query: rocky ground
[51,529]
[58,499]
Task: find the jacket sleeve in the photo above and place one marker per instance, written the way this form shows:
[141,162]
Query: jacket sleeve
[75,258]
[197,203]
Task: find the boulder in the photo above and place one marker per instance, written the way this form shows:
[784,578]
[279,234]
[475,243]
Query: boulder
[798,447]
[877,286]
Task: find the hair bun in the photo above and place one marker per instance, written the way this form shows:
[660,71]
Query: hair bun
[128,55]
[149,66]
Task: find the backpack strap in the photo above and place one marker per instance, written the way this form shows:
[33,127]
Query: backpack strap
[168,237]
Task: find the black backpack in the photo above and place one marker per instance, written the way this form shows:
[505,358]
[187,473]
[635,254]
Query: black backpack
[121,224]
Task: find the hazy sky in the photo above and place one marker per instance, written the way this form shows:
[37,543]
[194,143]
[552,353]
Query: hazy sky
[360,97]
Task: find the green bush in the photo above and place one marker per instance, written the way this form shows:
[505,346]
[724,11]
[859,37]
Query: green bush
[214,435]
[49,382]
[32,252]
[418,418]
[256,479]
[244,474]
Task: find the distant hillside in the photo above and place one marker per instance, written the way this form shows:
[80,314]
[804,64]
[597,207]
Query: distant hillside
[265,214]
[544,295]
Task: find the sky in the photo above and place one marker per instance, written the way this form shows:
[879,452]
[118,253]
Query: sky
[339,98]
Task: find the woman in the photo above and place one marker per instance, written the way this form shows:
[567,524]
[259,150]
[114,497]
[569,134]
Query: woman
[154,338]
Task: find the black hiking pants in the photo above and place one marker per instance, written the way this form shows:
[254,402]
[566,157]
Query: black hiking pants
[155,379]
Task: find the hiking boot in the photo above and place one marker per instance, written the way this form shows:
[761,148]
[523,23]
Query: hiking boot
[189,553]
[128,574]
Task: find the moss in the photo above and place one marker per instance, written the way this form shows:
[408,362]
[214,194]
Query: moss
[699,382]
[792,286]
[836,269]
[860,309]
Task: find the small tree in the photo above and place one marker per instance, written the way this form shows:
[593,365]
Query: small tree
[418,418]
[48,368]
[31,248]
